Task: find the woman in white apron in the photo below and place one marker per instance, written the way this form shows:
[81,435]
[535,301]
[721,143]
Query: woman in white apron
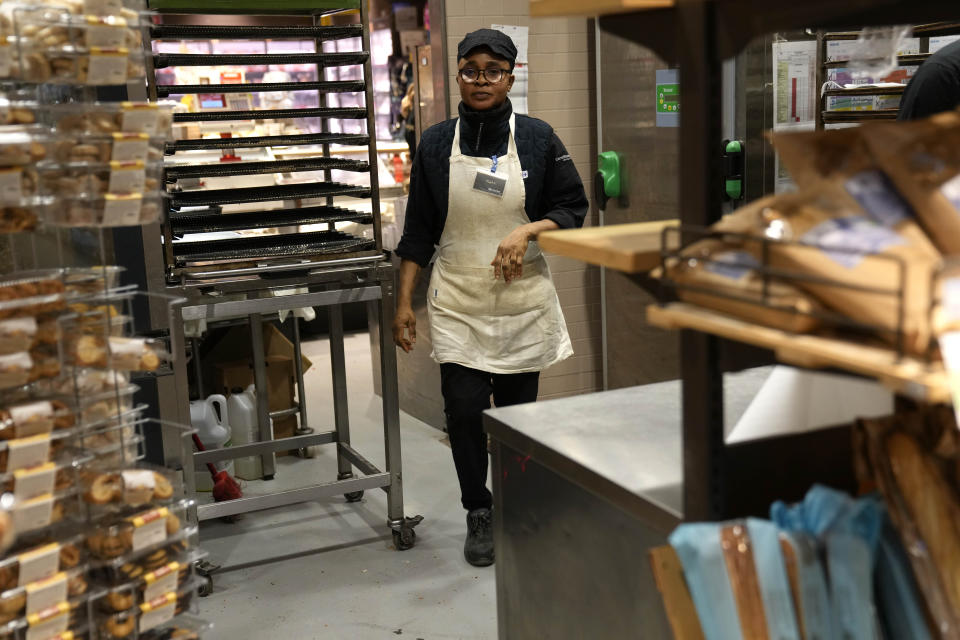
[495,318]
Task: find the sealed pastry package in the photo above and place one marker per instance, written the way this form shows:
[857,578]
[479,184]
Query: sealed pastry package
[922,159]
[721,275]
[846,260]
[842,158]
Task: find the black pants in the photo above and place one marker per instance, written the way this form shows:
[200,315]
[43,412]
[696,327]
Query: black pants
[466,395]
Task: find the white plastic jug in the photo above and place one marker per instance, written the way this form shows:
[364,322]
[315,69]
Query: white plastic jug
[214,432]
[242,406]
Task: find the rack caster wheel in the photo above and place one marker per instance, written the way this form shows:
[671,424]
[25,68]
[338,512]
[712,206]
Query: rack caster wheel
[354,496]
[404,539]
[206,587]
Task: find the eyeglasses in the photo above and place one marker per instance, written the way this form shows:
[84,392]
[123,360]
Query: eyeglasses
[493,75]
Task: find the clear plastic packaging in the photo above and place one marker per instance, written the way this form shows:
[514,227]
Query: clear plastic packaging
[29,294]
[110,210]
[60,478]
[36,596]
[70,615]
[19,148]
[15,219]
[117,352]
[122,541]
[38,515]
[94,409]
[96,66]
[81,120]
[41,561]
[133,487]
[27,419]
[92,280]
[104,147]
[25,367]
[166,571]
[32,451]
[185,627]
[156,613]
[23,334]
[97,179]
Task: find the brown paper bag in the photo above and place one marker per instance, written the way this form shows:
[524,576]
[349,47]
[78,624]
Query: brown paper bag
[828,240]
[922,159]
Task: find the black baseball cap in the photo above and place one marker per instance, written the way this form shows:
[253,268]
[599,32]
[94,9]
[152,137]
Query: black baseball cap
[497,41]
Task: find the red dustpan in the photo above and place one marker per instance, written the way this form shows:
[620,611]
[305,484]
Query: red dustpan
[224,486]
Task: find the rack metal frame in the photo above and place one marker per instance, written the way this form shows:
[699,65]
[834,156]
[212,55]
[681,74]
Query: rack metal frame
[228,291]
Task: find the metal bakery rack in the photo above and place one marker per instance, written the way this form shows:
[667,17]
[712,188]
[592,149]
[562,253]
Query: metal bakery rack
[262,260]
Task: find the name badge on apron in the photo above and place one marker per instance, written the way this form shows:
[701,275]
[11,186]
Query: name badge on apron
[491,183]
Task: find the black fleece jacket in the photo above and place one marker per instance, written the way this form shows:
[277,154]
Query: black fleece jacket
[553,186]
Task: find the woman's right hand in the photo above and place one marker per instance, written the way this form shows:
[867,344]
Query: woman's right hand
[405,318]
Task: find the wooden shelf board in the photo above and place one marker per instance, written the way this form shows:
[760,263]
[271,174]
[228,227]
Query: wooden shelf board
[632,248]
[908,376]
[544,8]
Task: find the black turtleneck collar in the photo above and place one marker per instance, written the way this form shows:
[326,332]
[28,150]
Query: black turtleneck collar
[485,133]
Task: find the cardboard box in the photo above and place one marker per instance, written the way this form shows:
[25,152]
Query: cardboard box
[232,358]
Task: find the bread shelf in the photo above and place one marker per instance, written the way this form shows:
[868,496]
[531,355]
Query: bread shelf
[631,248]
[542,8]
[905,375]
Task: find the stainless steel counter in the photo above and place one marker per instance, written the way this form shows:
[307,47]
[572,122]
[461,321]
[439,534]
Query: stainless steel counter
[583,486]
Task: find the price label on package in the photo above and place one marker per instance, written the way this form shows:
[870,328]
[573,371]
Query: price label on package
[103,7]
[46,593]
[157,611]
[38,564]
[127,177]
[106,33]
[107,67]
[32,419]
[140,118]
[121,210]
[11,185]
[161,581]
[32,483]
[46,624]
[28,452]
[33,514]
[130,147]
[150,528]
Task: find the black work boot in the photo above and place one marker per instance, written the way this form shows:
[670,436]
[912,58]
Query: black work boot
[478,548]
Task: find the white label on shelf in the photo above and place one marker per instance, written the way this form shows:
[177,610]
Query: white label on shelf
[38,564]
[161,581]
[33,514]
[106,36]
[127,177]
[103,7]
[31,483]
[29,452]
[150,528]
[130,147]
[11,185]
[140,118]
[157,611]
[46,624]
[45,593]
[6,60]
[107,69]
[25,413]
[121,211]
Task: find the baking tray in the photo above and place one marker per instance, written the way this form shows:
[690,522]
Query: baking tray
[163,60]
[324,86]
[210,220]
[226,32]
[210,197]
[172,173]
[270,246]
[265,141]
[345,113]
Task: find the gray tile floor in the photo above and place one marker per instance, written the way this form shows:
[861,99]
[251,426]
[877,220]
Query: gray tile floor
[329,569]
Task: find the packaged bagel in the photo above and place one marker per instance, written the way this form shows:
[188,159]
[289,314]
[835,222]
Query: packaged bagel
[133,539]
[97,179]
[23,334]
[922,158]
[108,210]
[115,352]
[75,120]
[35,418]
[20,148]
[20,218]
[719,275]
[849,262]
[30,294]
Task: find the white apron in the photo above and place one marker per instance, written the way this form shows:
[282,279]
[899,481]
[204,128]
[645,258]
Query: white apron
[478,321]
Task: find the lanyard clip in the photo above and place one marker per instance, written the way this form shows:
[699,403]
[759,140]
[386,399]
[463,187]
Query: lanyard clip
[493,169]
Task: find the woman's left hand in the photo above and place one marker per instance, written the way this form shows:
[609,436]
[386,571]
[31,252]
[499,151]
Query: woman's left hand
[508,262]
